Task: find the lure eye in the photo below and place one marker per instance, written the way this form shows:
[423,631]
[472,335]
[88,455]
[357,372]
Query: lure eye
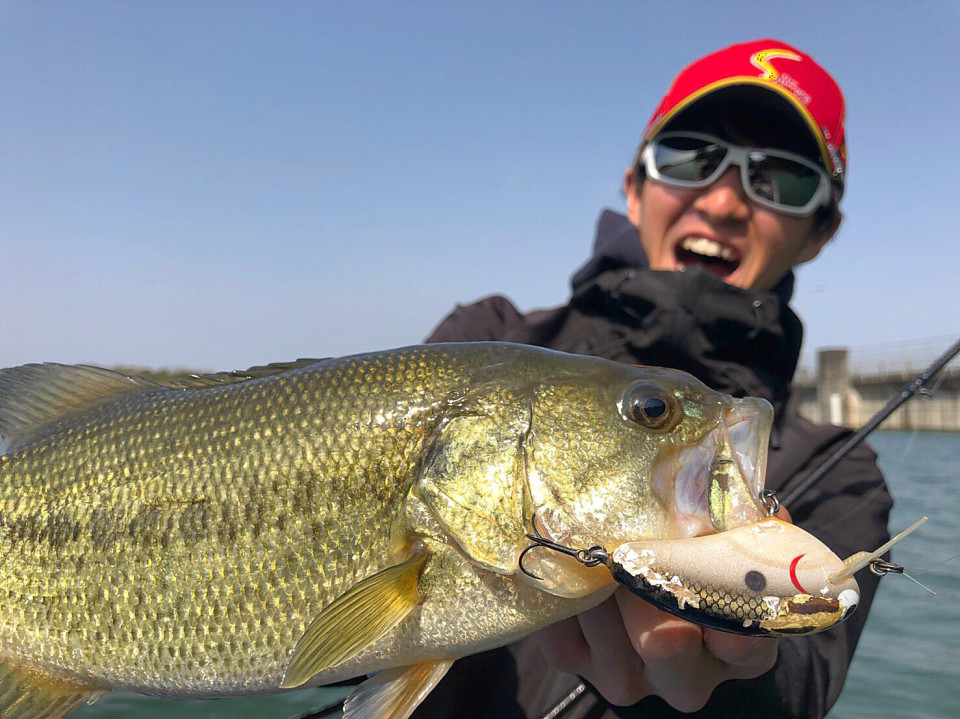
[755,581]
[651,407]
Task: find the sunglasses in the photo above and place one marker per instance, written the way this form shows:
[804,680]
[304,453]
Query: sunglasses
[779,180]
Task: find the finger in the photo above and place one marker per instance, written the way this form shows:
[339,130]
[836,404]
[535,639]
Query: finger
[564,647]
[656,635]
[677,666]
[615,669]
[685,681]
[741,657]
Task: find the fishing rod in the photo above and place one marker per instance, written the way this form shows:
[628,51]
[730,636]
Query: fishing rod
[909,390]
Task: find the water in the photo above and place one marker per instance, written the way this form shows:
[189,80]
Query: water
[908,661]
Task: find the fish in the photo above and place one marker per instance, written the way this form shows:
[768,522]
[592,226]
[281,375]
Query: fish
[303,523]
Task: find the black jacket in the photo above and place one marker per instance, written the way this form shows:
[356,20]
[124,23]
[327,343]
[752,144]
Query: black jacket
[736,341]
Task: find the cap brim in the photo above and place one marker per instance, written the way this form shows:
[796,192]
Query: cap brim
[747,81]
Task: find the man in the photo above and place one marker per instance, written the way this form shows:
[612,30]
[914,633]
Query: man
[738,178]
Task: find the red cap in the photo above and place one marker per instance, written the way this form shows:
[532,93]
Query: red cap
[771,64]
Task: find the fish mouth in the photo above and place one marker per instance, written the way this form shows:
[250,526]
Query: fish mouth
[715,484]
[747,424]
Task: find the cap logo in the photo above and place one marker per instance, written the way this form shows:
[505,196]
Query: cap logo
[762,61]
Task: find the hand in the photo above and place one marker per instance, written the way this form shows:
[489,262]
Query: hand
[628,649]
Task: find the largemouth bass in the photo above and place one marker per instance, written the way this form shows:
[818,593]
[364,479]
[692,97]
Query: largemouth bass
[249,532]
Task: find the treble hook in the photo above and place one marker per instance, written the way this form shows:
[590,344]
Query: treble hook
[589,557]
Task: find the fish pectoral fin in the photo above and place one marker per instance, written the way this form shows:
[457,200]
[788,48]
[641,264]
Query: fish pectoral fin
[355,620]
[395,693]
[31,694]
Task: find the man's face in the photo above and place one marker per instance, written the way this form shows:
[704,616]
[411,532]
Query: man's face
[721,230]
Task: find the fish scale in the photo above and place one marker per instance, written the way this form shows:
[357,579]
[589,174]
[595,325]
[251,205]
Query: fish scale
[251,492]
[304,523]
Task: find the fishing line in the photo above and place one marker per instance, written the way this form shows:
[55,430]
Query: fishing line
[908,448]
[895,465]
[924,571]
[919,584]
[935,387]
[912,389]
[934,566]
[909,390]
[926,396]
[859,506]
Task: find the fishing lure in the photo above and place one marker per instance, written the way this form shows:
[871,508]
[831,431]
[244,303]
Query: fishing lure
[768,578]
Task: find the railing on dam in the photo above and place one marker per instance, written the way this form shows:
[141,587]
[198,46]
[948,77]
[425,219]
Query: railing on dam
[849,386]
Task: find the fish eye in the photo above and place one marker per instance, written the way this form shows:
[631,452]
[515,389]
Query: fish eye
[755,580]
[651,407]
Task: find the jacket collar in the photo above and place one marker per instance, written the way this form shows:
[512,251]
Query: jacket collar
[616,245]
[734,340]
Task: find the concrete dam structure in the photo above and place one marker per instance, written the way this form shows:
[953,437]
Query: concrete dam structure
[849,393]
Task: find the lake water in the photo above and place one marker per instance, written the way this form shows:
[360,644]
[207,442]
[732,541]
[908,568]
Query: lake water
[908,661]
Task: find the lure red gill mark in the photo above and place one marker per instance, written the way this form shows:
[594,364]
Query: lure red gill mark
[793,573]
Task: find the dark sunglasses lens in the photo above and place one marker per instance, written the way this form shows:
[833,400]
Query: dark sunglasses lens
[781,180]
[687,159]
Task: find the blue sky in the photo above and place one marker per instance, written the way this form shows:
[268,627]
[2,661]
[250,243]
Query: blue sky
[220,184]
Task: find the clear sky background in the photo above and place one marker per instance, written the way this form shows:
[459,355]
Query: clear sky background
[220,184]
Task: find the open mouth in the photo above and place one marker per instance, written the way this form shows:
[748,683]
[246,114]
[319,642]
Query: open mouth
[715,484]
[716,258]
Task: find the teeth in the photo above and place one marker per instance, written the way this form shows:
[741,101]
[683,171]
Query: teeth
[708,248]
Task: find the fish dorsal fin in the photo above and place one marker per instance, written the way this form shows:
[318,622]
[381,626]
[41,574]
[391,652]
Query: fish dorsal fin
[394,693]
[217,379]
[29,694]
[355,620]
[34,395]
